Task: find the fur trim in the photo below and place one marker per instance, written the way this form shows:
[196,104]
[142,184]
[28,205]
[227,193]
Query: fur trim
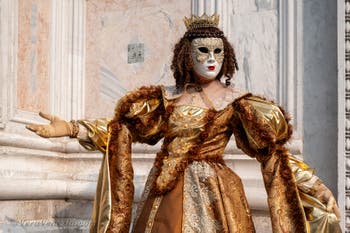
[137,128]
[246,114]
[292,194]
[142,93]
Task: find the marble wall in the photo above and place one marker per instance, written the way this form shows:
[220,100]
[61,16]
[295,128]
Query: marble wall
[111,27]
[54,179]
[33,55]
[254,34]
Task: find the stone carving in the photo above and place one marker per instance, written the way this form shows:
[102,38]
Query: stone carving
[346,151]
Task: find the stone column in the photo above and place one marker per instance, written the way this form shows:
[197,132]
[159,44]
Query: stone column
[344,112]
[67,89]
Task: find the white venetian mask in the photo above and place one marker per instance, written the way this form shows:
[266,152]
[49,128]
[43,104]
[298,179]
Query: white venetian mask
[207,56]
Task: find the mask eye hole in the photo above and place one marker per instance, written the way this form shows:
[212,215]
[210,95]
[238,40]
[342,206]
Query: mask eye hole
[217,50]
[203,49]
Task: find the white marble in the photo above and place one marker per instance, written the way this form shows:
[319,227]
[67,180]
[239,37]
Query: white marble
[110,28]
[97,34]
[343,121]
[67,60]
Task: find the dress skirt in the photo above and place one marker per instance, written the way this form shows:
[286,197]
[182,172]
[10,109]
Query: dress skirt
[208,197]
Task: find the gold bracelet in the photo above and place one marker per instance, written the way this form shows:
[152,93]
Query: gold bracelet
[75,129]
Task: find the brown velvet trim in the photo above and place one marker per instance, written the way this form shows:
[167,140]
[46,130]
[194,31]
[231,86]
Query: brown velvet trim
[124,104]
[134,124]
[192,155]
[121,178]
[292,194]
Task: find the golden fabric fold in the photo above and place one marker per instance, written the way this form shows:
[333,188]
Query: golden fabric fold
[143,112]
[97,134]
[319,218]
[114,192]
[263,121]
[101,211]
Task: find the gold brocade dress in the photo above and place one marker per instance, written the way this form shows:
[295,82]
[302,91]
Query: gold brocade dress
[189,188]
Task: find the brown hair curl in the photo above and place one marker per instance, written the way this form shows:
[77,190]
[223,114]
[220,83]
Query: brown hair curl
[182,64]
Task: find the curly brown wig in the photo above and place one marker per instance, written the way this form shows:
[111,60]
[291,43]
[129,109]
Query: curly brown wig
[182,64]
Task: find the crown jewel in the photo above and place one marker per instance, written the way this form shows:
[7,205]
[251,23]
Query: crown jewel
[203,21]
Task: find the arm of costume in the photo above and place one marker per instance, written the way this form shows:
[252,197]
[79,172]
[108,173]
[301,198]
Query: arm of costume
[138,118]
[322,218]
[263,128]
[94,134]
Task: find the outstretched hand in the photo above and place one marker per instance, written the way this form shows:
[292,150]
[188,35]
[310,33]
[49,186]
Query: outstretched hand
[325,196]
[56,128]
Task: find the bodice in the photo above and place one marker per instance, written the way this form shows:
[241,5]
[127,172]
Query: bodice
[185,125]
[193,133]
[206,130]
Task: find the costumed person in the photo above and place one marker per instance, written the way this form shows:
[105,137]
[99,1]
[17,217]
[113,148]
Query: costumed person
[189,188]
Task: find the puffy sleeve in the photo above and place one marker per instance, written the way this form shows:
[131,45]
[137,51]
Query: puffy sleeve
[259,125]
[261,128]
[139,117]
[142,112]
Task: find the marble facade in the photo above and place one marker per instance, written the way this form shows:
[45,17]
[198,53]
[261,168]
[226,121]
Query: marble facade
[33,55]
[110,27]
[70,58]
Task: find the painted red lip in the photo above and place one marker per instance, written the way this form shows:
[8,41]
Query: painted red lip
[211,67]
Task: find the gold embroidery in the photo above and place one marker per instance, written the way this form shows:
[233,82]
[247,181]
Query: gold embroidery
[121,178]
[214,200]
[198,199]
[153,213]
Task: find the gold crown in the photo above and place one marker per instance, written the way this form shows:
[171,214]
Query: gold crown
[203,21]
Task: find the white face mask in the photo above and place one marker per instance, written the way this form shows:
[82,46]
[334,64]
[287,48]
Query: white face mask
[207,56]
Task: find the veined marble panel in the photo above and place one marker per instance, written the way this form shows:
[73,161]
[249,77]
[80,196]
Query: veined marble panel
[254,36]
[111,26]
[33,55]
